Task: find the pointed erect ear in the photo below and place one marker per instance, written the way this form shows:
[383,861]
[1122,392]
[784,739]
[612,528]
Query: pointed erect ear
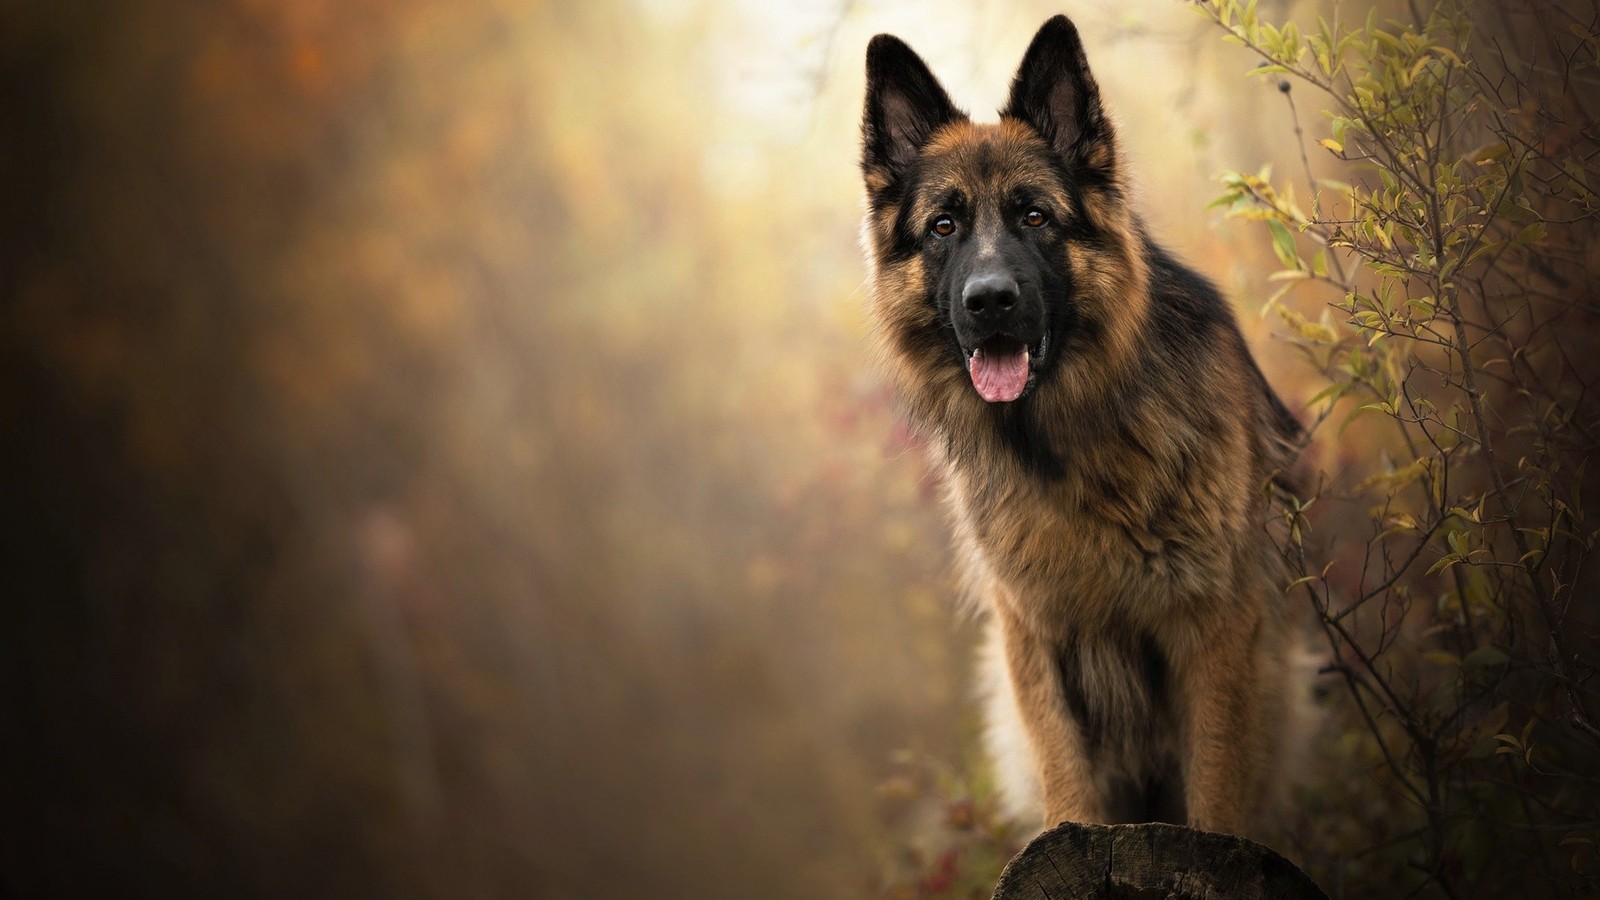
[1055,93]
[905,106]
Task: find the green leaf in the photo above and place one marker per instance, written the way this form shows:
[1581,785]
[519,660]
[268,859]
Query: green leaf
[1531,234]
[1304,579]
[1283,244]
[1483,658]
[1512,211]
[1272,301]
[1444,563]
[1442,658]
[1334,391]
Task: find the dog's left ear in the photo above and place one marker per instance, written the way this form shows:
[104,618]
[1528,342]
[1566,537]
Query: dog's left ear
[1055,93]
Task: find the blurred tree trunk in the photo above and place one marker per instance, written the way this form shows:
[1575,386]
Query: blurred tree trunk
[1087,862]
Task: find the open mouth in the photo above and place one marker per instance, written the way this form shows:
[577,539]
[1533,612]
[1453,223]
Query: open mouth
[1002,367]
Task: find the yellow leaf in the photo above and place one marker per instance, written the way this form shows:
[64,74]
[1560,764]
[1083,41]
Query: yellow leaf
[1399,478]
[1332,144]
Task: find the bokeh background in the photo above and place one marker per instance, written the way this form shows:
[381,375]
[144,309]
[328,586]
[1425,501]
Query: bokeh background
[443,451]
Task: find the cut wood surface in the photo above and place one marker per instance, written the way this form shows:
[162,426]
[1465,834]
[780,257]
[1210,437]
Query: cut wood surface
[1079,862]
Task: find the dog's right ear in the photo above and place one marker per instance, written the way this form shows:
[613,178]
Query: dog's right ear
[905,106]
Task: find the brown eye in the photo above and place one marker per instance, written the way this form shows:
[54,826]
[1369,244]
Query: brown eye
[944,226]
[1034,218]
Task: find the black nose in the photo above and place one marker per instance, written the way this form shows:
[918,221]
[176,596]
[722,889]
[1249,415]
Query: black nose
[989,294]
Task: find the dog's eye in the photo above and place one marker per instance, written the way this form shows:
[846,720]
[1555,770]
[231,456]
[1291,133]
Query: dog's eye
[944,226]
[1034,218]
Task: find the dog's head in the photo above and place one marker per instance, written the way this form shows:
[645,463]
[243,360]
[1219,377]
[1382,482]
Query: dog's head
[997,249]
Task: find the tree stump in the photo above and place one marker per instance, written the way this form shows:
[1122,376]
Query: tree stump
[1149,862]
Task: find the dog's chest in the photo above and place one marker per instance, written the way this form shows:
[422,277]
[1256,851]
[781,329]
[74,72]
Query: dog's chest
[1083,550]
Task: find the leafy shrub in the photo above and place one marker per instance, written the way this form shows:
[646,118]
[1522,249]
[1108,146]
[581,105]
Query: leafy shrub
[1443,541]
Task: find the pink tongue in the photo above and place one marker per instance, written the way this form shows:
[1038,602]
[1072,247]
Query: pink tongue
[999,376]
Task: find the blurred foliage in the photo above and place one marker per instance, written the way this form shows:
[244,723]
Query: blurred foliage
[422,483]
[1449,562]
[958,841]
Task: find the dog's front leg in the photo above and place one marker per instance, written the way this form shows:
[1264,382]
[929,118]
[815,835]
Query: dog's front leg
[1055,737]
[1224,736]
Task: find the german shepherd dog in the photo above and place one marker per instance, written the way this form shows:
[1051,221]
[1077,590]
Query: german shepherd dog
[1106,443]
